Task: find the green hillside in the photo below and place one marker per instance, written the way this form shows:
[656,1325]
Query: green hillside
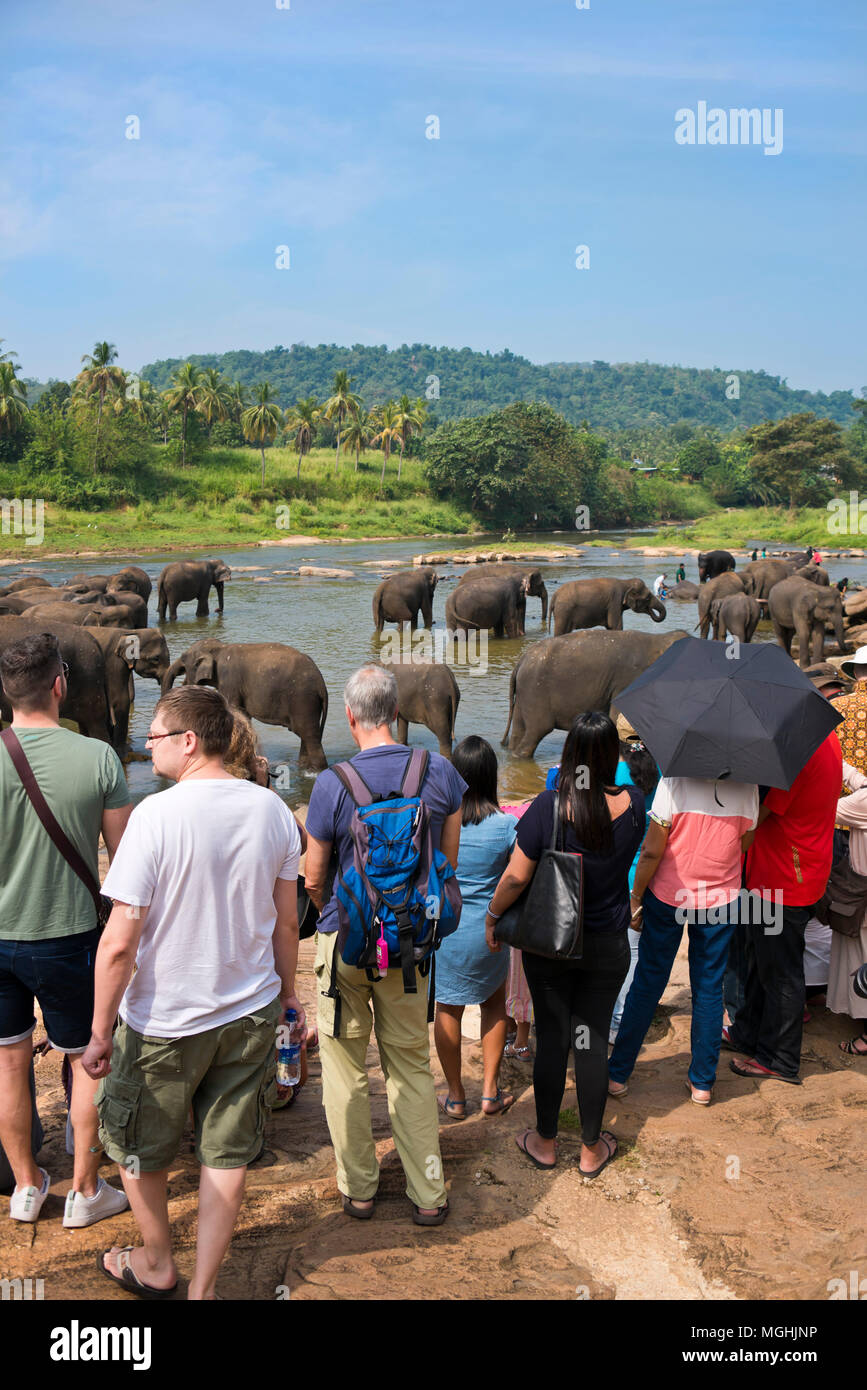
[610,396]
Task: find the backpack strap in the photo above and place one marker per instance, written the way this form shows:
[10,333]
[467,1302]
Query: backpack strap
[334,993]
[354,783]
[415,772]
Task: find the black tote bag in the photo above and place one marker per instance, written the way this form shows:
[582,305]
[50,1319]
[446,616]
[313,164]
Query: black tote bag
[548,918]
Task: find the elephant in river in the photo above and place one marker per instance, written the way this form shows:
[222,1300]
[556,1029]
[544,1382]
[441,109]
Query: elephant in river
[738,614]
[684,589]
[132,604]
[560,677]
[267,681]
[535,588]
[23,599]
[185,580]
[714,562]
[82,582]
[86,700]
[75,614]
[31,582]
[800,609]
[492,601]
[814,574]
[427,693]
[402,596]
[724,584]
[601,603]
[143,650]
[133,579]
[760,576]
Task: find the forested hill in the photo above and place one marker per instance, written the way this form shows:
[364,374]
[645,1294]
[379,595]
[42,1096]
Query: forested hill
[471,383]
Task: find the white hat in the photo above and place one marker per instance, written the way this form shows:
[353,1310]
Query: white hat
[859,659]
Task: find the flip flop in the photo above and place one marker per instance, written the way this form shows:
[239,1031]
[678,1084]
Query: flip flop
[504,1105]
[606,1135]
[618,1095]
[129,1280]
[546,1167]
[445,1105]
[763,1073]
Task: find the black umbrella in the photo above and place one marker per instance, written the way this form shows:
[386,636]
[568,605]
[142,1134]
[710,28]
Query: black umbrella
[712,710]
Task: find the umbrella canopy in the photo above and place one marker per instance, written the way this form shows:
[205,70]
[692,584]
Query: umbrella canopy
[710,710]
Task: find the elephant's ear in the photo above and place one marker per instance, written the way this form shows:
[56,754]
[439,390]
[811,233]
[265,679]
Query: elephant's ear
[204,669]
[633,589]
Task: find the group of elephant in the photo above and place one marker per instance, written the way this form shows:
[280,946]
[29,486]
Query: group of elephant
[797,596]
[102,624]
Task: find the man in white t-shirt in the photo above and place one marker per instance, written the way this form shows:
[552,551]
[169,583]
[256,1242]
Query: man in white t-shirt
[204,887]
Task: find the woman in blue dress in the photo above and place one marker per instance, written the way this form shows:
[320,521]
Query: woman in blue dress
[466,971]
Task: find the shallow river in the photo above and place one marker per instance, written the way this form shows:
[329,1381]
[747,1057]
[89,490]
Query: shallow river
[331,620]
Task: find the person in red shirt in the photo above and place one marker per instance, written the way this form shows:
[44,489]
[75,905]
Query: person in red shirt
[788,863]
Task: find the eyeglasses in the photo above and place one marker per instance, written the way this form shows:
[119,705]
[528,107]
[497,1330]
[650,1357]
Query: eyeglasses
[154,738]
[65,669]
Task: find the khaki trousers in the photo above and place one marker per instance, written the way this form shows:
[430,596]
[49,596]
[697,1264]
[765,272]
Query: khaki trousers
[402,1035]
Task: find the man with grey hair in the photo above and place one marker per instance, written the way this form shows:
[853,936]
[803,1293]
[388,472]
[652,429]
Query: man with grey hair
[399,1019]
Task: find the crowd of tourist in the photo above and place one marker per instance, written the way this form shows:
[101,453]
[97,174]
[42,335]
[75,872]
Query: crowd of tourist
[169,1011]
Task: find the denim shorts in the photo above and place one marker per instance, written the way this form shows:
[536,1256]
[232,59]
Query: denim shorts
[59,972]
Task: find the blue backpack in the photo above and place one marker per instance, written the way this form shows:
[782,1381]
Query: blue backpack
[398,886]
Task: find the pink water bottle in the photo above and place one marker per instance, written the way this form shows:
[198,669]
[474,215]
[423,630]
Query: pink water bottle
[382,951]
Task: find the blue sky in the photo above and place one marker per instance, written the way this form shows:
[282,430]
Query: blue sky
[305,127]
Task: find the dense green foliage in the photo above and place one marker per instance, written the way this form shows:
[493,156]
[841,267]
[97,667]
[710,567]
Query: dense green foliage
[611,397]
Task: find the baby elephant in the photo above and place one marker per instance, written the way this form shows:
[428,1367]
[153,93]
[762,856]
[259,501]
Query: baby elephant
[736,613]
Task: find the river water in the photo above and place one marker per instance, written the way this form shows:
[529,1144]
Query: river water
[331,620]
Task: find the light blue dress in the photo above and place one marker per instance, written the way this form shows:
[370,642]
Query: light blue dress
[466,971]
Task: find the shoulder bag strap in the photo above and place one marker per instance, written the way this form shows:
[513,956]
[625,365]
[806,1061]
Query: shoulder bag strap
[58,837]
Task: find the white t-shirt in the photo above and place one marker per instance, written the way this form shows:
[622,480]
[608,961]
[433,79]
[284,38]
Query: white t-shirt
[203,857]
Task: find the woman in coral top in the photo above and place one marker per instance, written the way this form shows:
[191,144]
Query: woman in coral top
[689,874]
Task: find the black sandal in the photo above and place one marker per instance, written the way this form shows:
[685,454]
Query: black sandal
[354,1211]
[850,1048]
[422,1219]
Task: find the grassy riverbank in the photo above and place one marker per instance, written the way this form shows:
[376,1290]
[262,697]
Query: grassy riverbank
[745,526]
[222,502]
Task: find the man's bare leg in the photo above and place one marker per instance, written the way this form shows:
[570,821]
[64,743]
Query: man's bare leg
[152,1262]
[16,1112]
[85,1129]
[221,1192]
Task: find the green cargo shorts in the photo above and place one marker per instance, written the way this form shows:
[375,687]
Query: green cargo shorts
[223,1075]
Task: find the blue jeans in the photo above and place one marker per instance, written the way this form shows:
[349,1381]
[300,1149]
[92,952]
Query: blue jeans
[708,953]
[634,938]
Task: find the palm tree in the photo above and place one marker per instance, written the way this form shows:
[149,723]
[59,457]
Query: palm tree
[358,433]
[215,398]
[237,400]
[183,396]
[162,415]
[387,423]
[98,379]
[301,421]
[262,421]
[409,423]
[13,403]
[6,356]
[341,402]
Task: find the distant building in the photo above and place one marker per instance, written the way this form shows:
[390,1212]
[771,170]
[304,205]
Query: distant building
[637,466]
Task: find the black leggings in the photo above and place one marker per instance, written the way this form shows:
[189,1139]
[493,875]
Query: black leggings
[573,1002]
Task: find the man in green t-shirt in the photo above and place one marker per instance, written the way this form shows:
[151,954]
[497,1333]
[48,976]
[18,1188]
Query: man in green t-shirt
[48,932]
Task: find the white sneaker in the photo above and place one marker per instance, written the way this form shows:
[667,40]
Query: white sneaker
[25,1204]
[84,1211]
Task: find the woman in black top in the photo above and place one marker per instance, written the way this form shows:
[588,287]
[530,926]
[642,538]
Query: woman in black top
[573,999]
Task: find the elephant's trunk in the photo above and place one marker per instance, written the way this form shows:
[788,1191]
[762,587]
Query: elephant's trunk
[218,585]
[171,676]
[657,607]
[543,593]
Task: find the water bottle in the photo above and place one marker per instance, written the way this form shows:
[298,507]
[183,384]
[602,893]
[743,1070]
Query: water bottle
[289,1050]
[382,951]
